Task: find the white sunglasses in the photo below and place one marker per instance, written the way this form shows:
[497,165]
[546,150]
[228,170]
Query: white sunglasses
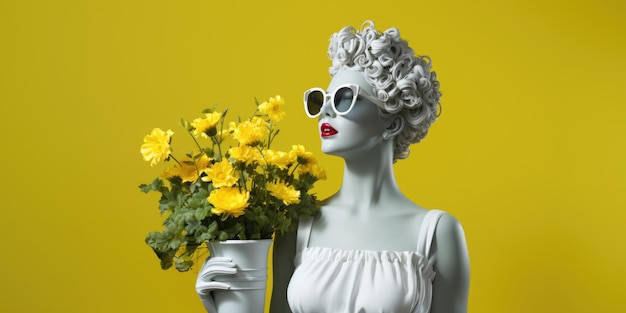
[342,100]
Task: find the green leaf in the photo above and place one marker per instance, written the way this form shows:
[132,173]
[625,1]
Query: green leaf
[166,261]
[183,264]
[157,184]
[210,110]
[223,236]
[204,237]
[185,124]
[145,188]
[213,227]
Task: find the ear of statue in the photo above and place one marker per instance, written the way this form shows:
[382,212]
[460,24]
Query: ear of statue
[395,127]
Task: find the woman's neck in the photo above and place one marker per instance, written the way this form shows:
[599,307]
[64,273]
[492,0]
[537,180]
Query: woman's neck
[369,181]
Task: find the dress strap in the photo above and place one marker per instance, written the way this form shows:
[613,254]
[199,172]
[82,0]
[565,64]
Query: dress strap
[303,234]
[427,231]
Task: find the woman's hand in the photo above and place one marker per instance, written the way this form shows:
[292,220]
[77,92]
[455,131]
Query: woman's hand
[212,267]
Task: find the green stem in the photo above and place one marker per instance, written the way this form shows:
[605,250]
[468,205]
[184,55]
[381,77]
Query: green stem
[199,148]
[269,136]
[173,158]
[294,169]
[242,181]
[219,146]
[196,141]
[255,110]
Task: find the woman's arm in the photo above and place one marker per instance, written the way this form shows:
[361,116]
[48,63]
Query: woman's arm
[451,284]
[284,253]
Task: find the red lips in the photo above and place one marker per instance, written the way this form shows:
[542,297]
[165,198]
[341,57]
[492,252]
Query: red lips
[327,130]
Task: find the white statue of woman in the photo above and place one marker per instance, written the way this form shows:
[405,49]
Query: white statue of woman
[371,249]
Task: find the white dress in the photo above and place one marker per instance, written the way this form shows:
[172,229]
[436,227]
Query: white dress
[349,281]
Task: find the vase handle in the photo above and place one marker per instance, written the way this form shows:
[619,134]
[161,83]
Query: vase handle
[212,267]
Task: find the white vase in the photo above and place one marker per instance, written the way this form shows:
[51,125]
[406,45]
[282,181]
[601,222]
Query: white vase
[248,286]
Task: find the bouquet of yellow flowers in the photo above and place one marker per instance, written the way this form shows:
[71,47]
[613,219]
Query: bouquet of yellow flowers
[245,191]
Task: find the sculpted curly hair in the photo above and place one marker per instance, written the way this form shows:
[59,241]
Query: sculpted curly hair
[401,80]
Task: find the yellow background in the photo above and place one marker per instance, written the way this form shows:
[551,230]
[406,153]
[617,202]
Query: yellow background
[529,153]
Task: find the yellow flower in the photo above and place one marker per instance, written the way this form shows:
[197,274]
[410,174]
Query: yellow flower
[283,192]
[171,172]
[232,126]
[229,201]
[224,134]
[221,174]
[203,162]
[187,170]
[312,168]
[250,132]
[206,126]
[244,154]
[300,155]
[156,146]
[257,121]
[279,159]
[272,108]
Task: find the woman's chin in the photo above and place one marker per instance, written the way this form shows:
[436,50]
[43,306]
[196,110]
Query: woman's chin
[330,148]
[335,148]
